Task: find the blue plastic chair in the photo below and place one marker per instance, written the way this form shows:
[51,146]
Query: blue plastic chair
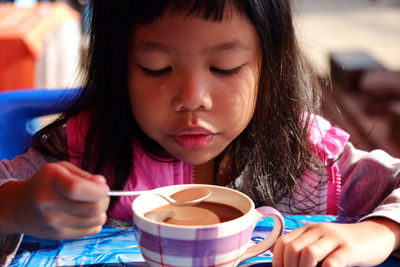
[19,113]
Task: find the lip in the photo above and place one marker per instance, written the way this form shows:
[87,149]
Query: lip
[193,138]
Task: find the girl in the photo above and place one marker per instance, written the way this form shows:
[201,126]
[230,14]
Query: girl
[203,92]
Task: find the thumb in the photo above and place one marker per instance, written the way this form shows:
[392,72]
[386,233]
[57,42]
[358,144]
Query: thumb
[97,178]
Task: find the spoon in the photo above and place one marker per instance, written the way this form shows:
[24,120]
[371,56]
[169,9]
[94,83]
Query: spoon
[184,197]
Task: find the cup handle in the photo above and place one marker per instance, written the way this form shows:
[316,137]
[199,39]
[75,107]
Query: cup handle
[279,226]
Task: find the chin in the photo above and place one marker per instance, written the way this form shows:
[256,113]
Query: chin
[197,158]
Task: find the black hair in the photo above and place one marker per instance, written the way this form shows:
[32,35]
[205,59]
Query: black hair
[271,153]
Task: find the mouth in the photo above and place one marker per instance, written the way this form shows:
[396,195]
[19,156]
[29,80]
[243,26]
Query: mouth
[193,138]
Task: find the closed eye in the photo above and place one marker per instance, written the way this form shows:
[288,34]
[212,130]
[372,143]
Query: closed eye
[154,73]
[226,72]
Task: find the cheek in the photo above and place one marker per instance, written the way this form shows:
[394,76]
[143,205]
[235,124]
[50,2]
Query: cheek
[150,107]
[140,100]
[237,105]
[244,97]
[138,110]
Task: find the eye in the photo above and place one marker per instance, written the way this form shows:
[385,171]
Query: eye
[155,73]
[228,72]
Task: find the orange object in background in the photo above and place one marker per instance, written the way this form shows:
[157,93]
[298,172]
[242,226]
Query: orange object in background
[24,32]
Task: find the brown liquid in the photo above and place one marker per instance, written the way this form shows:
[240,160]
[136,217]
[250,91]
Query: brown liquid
[203,213]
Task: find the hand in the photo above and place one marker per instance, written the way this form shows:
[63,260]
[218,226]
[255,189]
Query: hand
[367,243]
[60,201]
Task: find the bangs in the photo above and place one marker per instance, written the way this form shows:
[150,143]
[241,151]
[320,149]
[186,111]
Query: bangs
[146,12]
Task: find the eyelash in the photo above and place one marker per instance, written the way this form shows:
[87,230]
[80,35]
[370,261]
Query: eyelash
[229,72]
[157,73]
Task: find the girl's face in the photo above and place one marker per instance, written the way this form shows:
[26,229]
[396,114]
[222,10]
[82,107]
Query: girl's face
[193,82]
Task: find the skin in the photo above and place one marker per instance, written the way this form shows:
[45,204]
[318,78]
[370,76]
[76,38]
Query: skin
[367,243]
[173,86]
[190,93]
[194,91]
[60,201]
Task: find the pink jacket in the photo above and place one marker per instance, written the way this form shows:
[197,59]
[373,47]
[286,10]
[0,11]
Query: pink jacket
[328,143]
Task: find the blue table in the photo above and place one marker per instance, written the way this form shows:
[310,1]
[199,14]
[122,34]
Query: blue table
[115,245]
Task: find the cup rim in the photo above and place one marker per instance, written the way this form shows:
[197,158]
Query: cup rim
[251,208]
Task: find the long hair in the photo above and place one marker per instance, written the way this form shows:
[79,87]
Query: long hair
[272,152]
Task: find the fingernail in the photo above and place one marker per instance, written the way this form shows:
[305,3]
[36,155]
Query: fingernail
[99,179]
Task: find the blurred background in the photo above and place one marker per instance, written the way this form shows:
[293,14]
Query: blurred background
[326,26]
[41,43]
[354,46]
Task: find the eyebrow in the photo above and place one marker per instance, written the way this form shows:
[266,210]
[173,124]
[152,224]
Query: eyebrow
[233,45]
[152,46]
[155,46]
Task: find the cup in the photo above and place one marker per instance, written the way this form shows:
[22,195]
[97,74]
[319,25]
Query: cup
[221,244]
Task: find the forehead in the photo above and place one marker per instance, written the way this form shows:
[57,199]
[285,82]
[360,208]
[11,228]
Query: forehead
[178,30]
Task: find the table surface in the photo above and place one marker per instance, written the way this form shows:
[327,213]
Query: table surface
[116,245]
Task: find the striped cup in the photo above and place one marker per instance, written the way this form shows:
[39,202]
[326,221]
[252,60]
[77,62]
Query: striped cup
[222,244]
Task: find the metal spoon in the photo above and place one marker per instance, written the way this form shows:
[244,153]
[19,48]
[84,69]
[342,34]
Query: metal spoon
[188,196]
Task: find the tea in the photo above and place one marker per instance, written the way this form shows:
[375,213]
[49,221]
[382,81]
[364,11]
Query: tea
[203,213]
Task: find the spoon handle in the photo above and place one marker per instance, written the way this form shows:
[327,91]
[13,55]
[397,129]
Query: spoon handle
[126,193]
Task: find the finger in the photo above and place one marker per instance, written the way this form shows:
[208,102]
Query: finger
[81,191]
[282,243]
[74,187]
[74,170]
[317,251]
[81,222]
[82,173]
[54,222]
[68,233]
[339,257]
[76,232]
[293,250]
[58,221]
[81,208]
[98,179]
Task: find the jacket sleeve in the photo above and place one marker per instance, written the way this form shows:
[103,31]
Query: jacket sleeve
[21,167]
[370,184]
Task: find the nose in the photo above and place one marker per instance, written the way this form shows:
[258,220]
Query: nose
[192,93]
